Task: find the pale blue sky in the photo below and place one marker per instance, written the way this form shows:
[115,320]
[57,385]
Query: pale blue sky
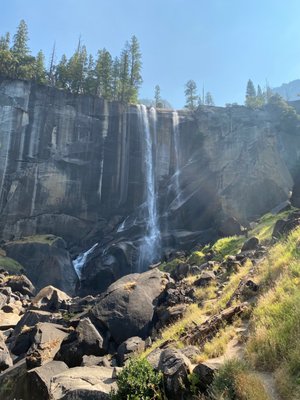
[218,43]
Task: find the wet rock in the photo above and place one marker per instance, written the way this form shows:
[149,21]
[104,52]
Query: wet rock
[39,379]
[131,346]
[83,383]
[175,367]
[5,358]
[127,307]
[85,340]
[50,299]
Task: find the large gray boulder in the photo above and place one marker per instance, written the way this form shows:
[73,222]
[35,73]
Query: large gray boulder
[39,379]
[127,307]
[46,261]
[5,358]
[83,383]
[85,340]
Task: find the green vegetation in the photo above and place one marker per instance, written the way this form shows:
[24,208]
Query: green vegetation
[170,266]
[235,381]
[10,265]
[275,341]
[46,239]
[196,258]
[138,380]
[227,246]
[118,79]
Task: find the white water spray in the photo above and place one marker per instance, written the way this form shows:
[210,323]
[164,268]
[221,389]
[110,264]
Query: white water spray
[151,242]
[79,262]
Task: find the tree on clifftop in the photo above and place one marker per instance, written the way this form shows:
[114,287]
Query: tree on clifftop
[191,96]
[250,94]
[209,101]
[157,97]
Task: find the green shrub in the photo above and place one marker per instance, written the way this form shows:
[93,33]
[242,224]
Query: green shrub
[137,381]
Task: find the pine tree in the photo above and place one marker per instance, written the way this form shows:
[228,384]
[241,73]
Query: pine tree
[260,97]
[7,60]
[90,80]
[250,95]
[209,101]
[135,61]
[124,90]
[157,97]
[104,79]
[40,71]
[115,78]
[191,95]
[62,73]
[51,74]
[268,92]
[76,69]
[24,64]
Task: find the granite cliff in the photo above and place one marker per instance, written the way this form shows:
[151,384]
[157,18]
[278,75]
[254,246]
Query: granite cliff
[78,167]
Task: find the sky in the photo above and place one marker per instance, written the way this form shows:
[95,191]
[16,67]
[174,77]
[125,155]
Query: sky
[219,44]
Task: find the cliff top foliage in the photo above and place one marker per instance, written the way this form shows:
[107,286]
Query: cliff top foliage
[116,78]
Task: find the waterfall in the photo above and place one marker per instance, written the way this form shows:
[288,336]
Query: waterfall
[175,120]
[149,249]
[79,262]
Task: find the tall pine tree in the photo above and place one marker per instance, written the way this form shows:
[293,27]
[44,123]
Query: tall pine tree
[191,97]
[250,100]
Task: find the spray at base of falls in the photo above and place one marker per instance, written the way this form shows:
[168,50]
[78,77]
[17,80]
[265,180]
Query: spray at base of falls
[150,247]
[79,262]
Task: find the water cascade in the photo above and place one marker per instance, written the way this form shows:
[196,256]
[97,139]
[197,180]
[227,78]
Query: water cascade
[149,249]
[79,262]
[175,120]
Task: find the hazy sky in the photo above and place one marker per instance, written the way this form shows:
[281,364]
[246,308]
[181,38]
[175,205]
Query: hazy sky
[218,43]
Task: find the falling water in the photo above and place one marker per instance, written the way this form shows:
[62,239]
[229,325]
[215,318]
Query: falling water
[150,246]
[175,119]
[79,262]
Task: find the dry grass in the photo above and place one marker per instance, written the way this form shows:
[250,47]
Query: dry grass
[129,286]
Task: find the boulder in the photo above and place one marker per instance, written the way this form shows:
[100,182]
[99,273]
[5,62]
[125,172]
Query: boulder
[127,307]
[50,299]
[3,300]
[21,284]
[85,340]
[230,227]
[5,358]
[153,358]
[175,367]
[8,320]
[32,317]
[46,261]
[205,373]
[89,361]
[250,244]
[14,384]
[131,346]
[167,315]
[205,278]
[47,339]
[83,383]
[191,352]
[39,379]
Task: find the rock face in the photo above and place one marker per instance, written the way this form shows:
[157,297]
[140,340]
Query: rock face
[74,166]
[46,261]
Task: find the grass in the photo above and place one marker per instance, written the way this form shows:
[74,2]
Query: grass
[196,258]
[227,246]
[218,345]
[10,265]
[263,230]
[236,381]
[275,341]
[170,266]
[45,239]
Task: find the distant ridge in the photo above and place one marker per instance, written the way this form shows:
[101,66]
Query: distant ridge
[289,91]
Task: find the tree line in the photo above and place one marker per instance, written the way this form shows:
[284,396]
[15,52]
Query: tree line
[257,97]
[116,78]
[193,99]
